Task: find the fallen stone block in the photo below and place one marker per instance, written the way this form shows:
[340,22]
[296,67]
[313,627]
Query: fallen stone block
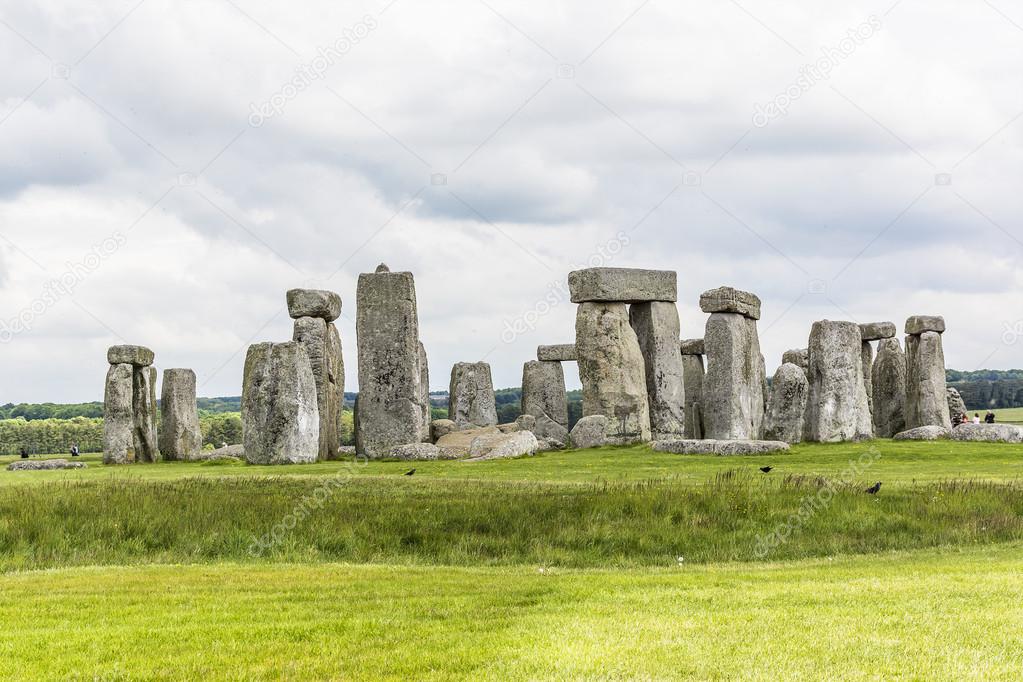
[720,447]
[44,465]
[923,433]
[989,433]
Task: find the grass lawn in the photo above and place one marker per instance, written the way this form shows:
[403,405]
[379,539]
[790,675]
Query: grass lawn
[932,615]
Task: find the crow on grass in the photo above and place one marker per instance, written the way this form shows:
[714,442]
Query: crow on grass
[874,489]
[766,470]
[410,472]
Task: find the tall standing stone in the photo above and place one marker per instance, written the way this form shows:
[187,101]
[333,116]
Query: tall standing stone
[130,438]
[543,391]
[836,408]
[692,374]
[657,329]
[888,379]
[280,412]
[612,371]
[787,407]
[471,400]
[956,406]
[734,385]
[424,391]
[926,400]
[180,437]
[118,415]
[390,410]
[867,362]
[322,344]
[872,331]
[147,447]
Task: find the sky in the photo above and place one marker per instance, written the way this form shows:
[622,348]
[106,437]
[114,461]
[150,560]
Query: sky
[170,169]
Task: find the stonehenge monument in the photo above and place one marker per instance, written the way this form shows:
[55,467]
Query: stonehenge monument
[179,437]
[926,401]
[129,407]
[787,406]
[390,409]
[836,408]
[471,401]
[314,312]
[888,380]
[543,391]
[280,412]
[612,364]
[734,386]
[872,331]
[692,374]
[797,356]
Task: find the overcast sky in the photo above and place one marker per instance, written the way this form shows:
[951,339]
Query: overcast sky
[177,166]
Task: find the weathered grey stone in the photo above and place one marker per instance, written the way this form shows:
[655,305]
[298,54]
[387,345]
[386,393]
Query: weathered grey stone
[992,433]
[322,344]
[424,391]
[622,285]
[612,371]
[415,451]
[800,357]
[458,443]
[657,329]
[543,391]
[548,444]
[590,432]
[179,437]
[545,427]
[926,403]
[235,451]
[346,452]
[325,305]
[956,406]
[526,422]
[875,331]
[923,433]
[118,416]
[44,465]
[382,268]
[471,396]
[867,361]
[692,347]
[502,446]
[693,373]
[787,406]
[836,408]
[720,447]
[918,324]
[389,409]
[143,399]
[280,415]
[508,428]
[888,382]
[733,387]
[139,356]
[564,352]
[440,428]
[730,300]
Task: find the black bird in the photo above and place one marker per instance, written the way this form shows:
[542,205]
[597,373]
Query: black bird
[410,472]
[873,490]
[766,470]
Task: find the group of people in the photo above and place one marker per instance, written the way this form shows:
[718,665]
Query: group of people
[989,418]
[75,451]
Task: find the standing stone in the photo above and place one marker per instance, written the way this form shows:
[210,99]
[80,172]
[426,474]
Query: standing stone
[543,391]
[733,387]
[787,406]
[180,437]
[424,391]
[867,360]
[323,349]
[797,356]
[390,410]
[926,401]
[118,416]
[144,404]
[471,400]
[836,407]
[657,329]
[280,413]
[888,379]
[956,406]
[612,372]
[692,373]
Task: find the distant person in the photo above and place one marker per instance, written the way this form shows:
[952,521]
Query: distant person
[989,418]
[74,450]
[24,452]
[963,419]
[976,417]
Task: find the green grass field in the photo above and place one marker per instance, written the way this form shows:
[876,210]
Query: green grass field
[599,564]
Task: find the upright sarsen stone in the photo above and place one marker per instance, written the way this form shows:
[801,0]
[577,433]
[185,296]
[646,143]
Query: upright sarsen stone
[118,415]
[692,374]
[733,387]
[657,329]
[836,407]
[543,391]
[471,400]
[424,392]
[612,371]
[787,407]
[147,448]
[180,437]
[888,379]
[280,413]
[797,356]
[956,406]
[389,410]
[926,400]
[867,360]
[322,344]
